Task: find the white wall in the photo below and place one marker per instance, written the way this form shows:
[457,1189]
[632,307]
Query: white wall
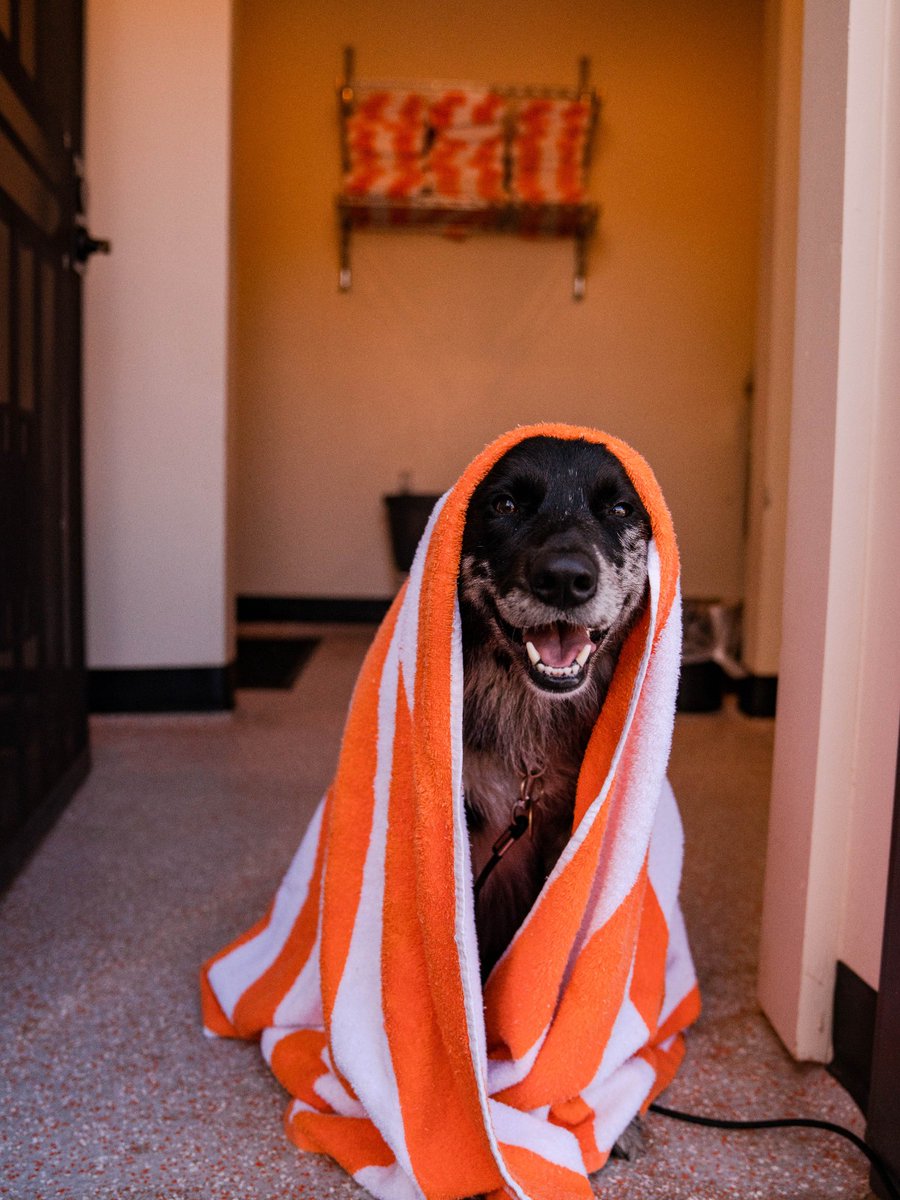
[839,688]
[158,105]
[440,346]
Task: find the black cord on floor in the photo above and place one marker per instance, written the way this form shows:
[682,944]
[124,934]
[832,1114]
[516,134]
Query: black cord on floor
[874,1158]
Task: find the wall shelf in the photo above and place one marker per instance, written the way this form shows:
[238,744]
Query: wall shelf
[466,158]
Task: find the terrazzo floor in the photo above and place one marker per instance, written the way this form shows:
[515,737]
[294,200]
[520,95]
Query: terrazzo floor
[175,844]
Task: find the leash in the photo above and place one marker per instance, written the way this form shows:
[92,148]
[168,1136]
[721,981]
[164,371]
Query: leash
[531,790]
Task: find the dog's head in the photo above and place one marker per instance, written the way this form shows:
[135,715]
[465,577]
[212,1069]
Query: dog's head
[554,560]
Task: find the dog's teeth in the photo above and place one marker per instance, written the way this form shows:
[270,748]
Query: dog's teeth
[532,654]
[584,654]
[558,672]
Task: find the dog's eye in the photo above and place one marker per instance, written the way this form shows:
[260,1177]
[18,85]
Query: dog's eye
[505,506]
[620,510]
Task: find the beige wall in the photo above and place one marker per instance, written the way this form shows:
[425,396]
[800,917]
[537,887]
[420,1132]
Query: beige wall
[770,436]
[440,346]
[158,104]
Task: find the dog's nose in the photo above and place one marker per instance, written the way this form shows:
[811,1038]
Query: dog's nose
[564,578]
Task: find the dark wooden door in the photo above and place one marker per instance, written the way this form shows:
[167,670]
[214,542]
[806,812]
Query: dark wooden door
[43,716]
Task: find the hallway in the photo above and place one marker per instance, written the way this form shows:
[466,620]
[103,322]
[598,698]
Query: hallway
[109,1090]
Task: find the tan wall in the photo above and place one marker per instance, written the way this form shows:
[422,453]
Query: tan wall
[158,103]
[440,346]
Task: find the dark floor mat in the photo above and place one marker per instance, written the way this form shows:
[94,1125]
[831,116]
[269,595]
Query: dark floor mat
[271,662]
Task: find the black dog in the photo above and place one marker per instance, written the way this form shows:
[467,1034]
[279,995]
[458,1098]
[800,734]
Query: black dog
[553,575]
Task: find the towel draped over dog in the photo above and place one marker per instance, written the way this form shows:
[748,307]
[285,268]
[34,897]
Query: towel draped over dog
[363,978]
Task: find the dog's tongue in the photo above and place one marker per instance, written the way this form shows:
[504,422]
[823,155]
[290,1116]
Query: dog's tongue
[558,644]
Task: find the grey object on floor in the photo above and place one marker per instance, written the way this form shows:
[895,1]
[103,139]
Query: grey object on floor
[108,1089]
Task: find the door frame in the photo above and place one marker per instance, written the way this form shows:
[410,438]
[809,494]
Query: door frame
[839,677]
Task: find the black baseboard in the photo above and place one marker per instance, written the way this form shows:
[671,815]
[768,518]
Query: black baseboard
[16,850]
[853,1033]
[340,609]
[757,695]
[161,689]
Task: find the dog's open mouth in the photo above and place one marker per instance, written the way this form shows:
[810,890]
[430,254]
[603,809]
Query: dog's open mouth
[558,654]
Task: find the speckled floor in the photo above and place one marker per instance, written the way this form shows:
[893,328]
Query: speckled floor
[107,1088]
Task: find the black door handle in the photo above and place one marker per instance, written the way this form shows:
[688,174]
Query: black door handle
[85,245]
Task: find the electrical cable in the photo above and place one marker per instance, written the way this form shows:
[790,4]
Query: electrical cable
[874,1158]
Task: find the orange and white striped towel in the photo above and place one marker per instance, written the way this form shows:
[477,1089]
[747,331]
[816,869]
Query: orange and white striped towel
[466,158]
[385,144]
[548,151]
[363,978]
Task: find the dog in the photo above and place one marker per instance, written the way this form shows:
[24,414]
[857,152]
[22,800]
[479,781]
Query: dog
[553,575]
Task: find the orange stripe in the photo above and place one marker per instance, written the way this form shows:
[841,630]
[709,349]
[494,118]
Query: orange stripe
[213,1017]
[350,808]
[536,961]
[412,1020]
[570,1055]
[666,1062]
[648,978]
[683,1014]
[607,733]
[579,1118]
[256,1008]
[354,1142]
[297,1064]
[543,1180]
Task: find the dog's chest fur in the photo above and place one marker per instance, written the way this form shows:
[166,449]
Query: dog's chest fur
[509,731]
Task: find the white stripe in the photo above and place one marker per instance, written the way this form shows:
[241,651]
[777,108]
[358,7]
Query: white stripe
[618,1099]
[359,1043]
[408,617]
[464,916]
[336,1096]
[301,1004]
[640,775]
[387,1183]
[586,824]
[232,975]
[680,975]
[666,851]
[638,769]
[629,1034]
[554,1143]
[299,1106]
